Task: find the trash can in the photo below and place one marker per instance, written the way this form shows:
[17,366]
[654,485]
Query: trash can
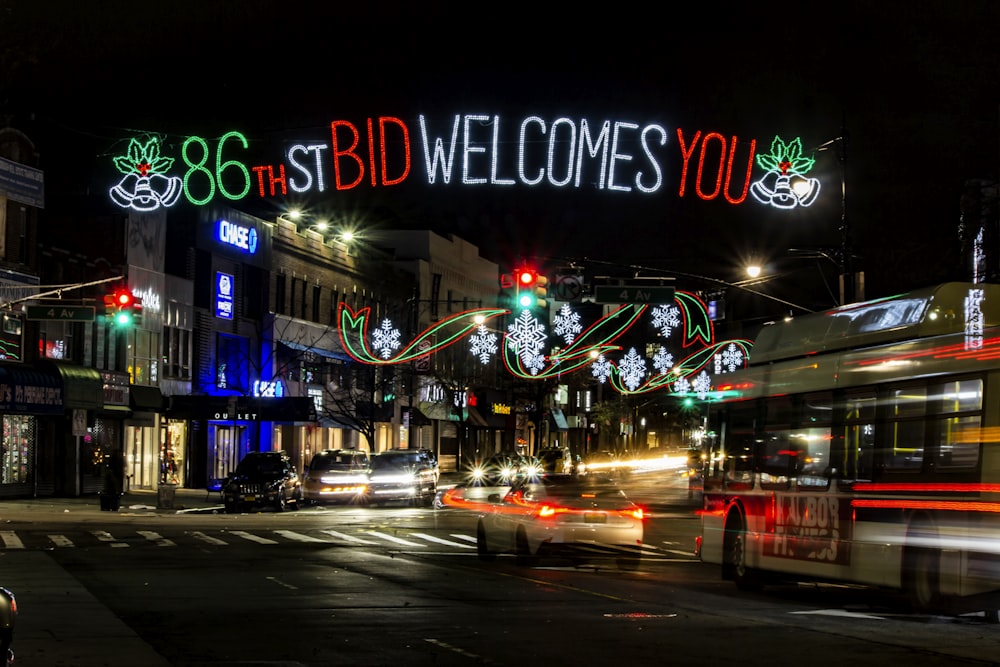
[165,496]
[110,502]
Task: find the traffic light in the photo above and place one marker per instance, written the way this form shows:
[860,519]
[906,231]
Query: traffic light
[525,279]
[122,308]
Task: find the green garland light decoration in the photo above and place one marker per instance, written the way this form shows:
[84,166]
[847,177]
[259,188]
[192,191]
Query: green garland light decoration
[353,333]
[596,340]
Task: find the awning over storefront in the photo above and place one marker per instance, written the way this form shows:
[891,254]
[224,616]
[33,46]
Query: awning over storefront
[474,417]
[243,408]
[557,421]
[438,411]
[82,386]
[145,399]
[329,354]
[335,421]
[31,391]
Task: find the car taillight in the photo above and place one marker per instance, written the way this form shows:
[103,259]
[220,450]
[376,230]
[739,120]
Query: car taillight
[546,511]
[637,513]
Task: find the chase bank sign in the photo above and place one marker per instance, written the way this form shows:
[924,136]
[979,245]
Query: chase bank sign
[238,236]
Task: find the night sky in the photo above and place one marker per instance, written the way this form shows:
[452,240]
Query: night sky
[915,84]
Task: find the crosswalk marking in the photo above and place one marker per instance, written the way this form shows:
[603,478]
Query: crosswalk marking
[393,538]
[197,534]
[298,537]
[253,538]
[157,539]
[349,538]
[11,540]
[431,538]
[105,536]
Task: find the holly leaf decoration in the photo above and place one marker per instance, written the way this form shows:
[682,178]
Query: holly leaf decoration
[144,159]
[786,158]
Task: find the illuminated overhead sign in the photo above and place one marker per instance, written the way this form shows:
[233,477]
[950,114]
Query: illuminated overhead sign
[472,150]
[240,237]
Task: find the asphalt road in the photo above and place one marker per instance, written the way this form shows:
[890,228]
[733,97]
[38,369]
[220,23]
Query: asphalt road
[396,585]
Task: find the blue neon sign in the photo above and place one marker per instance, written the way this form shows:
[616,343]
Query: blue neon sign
[224,288]
[238,236]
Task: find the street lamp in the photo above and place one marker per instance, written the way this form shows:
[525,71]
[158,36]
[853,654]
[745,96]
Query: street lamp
[851,284]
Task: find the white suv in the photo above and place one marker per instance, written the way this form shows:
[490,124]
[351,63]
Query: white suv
[403,474]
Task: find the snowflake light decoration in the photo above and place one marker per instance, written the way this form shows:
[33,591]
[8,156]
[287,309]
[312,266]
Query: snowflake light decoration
[702,385]
[665,319]
[663,361]
[527,336]
[483,344]
[385,339]
[732,358]
[567,324]
[633,369]
[682,386]
[601,369]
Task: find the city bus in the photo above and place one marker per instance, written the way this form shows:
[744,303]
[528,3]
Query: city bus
[862,445]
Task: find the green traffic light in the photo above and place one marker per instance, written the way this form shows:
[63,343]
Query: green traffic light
[123,318]
[526,300]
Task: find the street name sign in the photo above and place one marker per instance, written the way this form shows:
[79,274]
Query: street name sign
[65,313]
[633,294]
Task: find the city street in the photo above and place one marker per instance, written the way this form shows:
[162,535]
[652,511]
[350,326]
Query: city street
[398,585]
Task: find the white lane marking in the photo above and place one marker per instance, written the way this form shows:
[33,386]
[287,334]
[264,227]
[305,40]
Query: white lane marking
[11,540]
[679,552]
[282,583]
[156,538]
[467,538]
[397,540]
[838,612]
[250,536]
[431,538]
[348,538]
[61,541]
[197,534]
[298,537]
[105,536]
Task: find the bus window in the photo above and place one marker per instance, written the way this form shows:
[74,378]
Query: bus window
[957,442]
[859,437]
[780,459]
[903,447]
[956,438]
[739,445]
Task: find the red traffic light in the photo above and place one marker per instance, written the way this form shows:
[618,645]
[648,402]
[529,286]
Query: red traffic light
[526,277]
[123,298]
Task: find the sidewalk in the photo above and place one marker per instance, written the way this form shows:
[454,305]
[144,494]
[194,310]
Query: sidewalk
[137,501]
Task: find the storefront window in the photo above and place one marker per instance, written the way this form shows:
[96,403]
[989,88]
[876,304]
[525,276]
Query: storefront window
[172,459]
[18,449]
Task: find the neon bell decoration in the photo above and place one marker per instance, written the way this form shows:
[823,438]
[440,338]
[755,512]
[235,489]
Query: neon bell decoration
[144,187]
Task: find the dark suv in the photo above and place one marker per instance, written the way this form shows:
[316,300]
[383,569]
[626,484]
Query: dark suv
[403,474]
[263,479]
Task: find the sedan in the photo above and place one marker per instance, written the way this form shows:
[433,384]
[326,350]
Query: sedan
[337,475]
[584,518]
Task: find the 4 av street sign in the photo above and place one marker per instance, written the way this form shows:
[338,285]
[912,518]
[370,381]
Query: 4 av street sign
[65,313]
[657,294]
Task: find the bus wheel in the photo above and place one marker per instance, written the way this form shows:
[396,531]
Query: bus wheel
[920,578]
[734,564]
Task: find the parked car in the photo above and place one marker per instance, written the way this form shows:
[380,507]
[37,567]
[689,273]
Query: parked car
[584,518]
[336,475]
[263,479]
[403,474]
[8,618]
